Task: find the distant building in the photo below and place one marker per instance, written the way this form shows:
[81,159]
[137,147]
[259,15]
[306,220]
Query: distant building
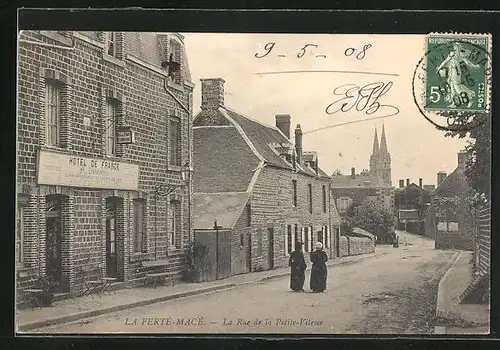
[266,191]
[449,220]
[410,206]
[375,183]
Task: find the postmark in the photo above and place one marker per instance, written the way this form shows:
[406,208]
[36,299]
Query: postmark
[452,82]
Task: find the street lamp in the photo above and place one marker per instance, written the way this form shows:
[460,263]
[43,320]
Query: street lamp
[165,190]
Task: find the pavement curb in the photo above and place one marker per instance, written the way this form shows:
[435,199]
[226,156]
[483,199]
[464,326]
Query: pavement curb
[440,309]
[92,313]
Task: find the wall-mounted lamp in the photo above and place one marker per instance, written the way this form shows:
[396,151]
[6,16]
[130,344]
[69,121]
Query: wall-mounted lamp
[165,190]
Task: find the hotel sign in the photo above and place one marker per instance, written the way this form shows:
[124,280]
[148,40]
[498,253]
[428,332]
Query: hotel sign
[76,171]
[125,135]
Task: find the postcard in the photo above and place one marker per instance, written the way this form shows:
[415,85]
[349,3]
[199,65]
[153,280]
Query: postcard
[243,183]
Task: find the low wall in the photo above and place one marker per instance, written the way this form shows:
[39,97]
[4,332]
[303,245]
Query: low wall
[343,246]
[361,245]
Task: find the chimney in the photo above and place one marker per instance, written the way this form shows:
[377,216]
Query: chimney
[440,177]
[353,173]
[212,93]
[298,143]
[283,123]
[420,182]
[401,183]
[462,159]
[407,182]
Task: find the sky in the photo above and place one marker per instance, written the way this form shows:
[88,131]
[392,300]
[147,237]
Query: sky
[417,148]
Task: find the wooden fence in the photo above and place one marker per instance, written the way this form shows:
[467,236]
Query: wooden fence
[483,239]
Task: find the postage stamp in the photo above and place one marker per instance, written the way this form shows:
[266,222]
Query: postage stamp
[457,66]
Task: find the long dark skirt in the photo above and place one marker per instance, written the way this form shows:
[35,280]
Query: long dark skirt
[319,273]
[297,278]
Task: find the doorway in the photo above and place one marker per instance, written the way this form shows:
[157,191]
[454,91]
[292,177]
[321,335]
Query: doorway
[111,228]
[270,247]
[53,229]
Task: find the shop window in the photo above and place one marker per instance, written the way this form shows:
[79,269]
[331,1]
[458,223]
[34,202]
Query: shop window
[140,226]
[174,223]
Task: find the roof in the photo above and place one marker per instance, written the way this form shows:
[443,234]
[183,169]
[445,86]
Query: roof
[342,181]
[222,160]
[226,208]
[454,184]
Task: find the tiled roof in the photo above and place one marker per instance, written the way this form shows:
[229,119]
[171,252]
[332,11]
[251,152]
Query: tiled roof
[341,181]
[223,162]
[454,184]
[261,136]
[226,208]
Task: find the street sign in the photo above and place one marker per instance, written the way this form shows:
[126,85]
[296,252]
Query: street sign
[125,135]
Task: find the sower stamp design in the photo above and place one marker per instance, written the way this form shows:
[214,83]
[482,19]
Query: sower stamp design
[456,73]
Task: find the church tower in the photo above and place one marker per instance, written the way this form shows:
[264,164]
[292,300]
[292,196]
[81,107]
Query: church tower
[374,156]
[384,161]
[380,160]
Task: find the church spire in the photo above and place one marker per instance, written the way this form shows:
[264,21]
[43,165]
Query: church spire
[375,142]
[383,142]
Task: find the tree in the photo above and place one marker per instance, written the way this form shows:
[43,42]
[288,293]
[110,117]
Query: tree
[478,148]
[373,217]
[337,172]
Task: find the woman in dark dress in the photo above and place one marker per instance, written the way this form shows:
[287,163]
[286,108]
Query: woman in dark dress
[319,271]
[298,267]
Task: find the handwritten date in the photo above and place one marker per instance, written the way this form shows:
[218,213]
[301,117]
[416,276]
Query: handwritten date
[366,98]
[359,53]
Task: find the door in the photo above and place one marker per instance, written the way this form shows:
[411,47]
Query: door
[270,247]
[223,254]
[249,252]
[111,258]
[53,241]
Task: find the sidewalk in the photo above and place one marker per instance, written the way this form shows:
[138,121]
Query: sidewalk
[454,318]
[70,310]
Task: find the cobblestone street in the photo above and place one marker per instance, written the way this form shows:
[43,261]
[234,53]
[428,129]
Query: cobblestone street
[394,293]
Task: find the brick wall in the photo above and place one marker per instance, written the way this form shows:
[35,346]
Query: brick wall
[239,253]
[89,78]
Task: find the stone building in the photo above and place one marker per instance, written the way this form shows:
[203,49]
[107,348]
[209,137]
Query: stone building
[450,220]
[259,184]
[411,203]
[104,119]
[375,183]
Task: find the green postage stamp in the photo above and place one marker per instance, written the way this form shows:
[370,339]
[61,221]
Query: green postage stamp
[457,70]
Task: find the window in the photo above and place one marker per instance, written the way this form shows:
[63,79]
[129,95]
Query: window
[111,43]
[248,211]
[242,240]
[175,222]
[343,203]
[294,188]
[295,235]
[309,196]
[288,239]
[321,235]
[175,50]
[110,125]
[53,112]
[302,236]
[324,198]
[20,236]
[140,225]
[175,144]
[327,237]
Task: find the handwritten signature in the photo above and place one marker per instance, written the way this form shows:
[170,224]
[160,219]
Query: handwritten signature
[364,98]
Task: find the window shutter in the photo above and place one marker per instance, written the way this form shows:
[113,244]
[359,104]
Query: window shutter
[302,236]
[327,236]
[286,240]
[309,233]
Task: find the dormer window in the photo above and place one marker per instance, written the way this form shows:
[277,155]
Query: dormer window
[174,67]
